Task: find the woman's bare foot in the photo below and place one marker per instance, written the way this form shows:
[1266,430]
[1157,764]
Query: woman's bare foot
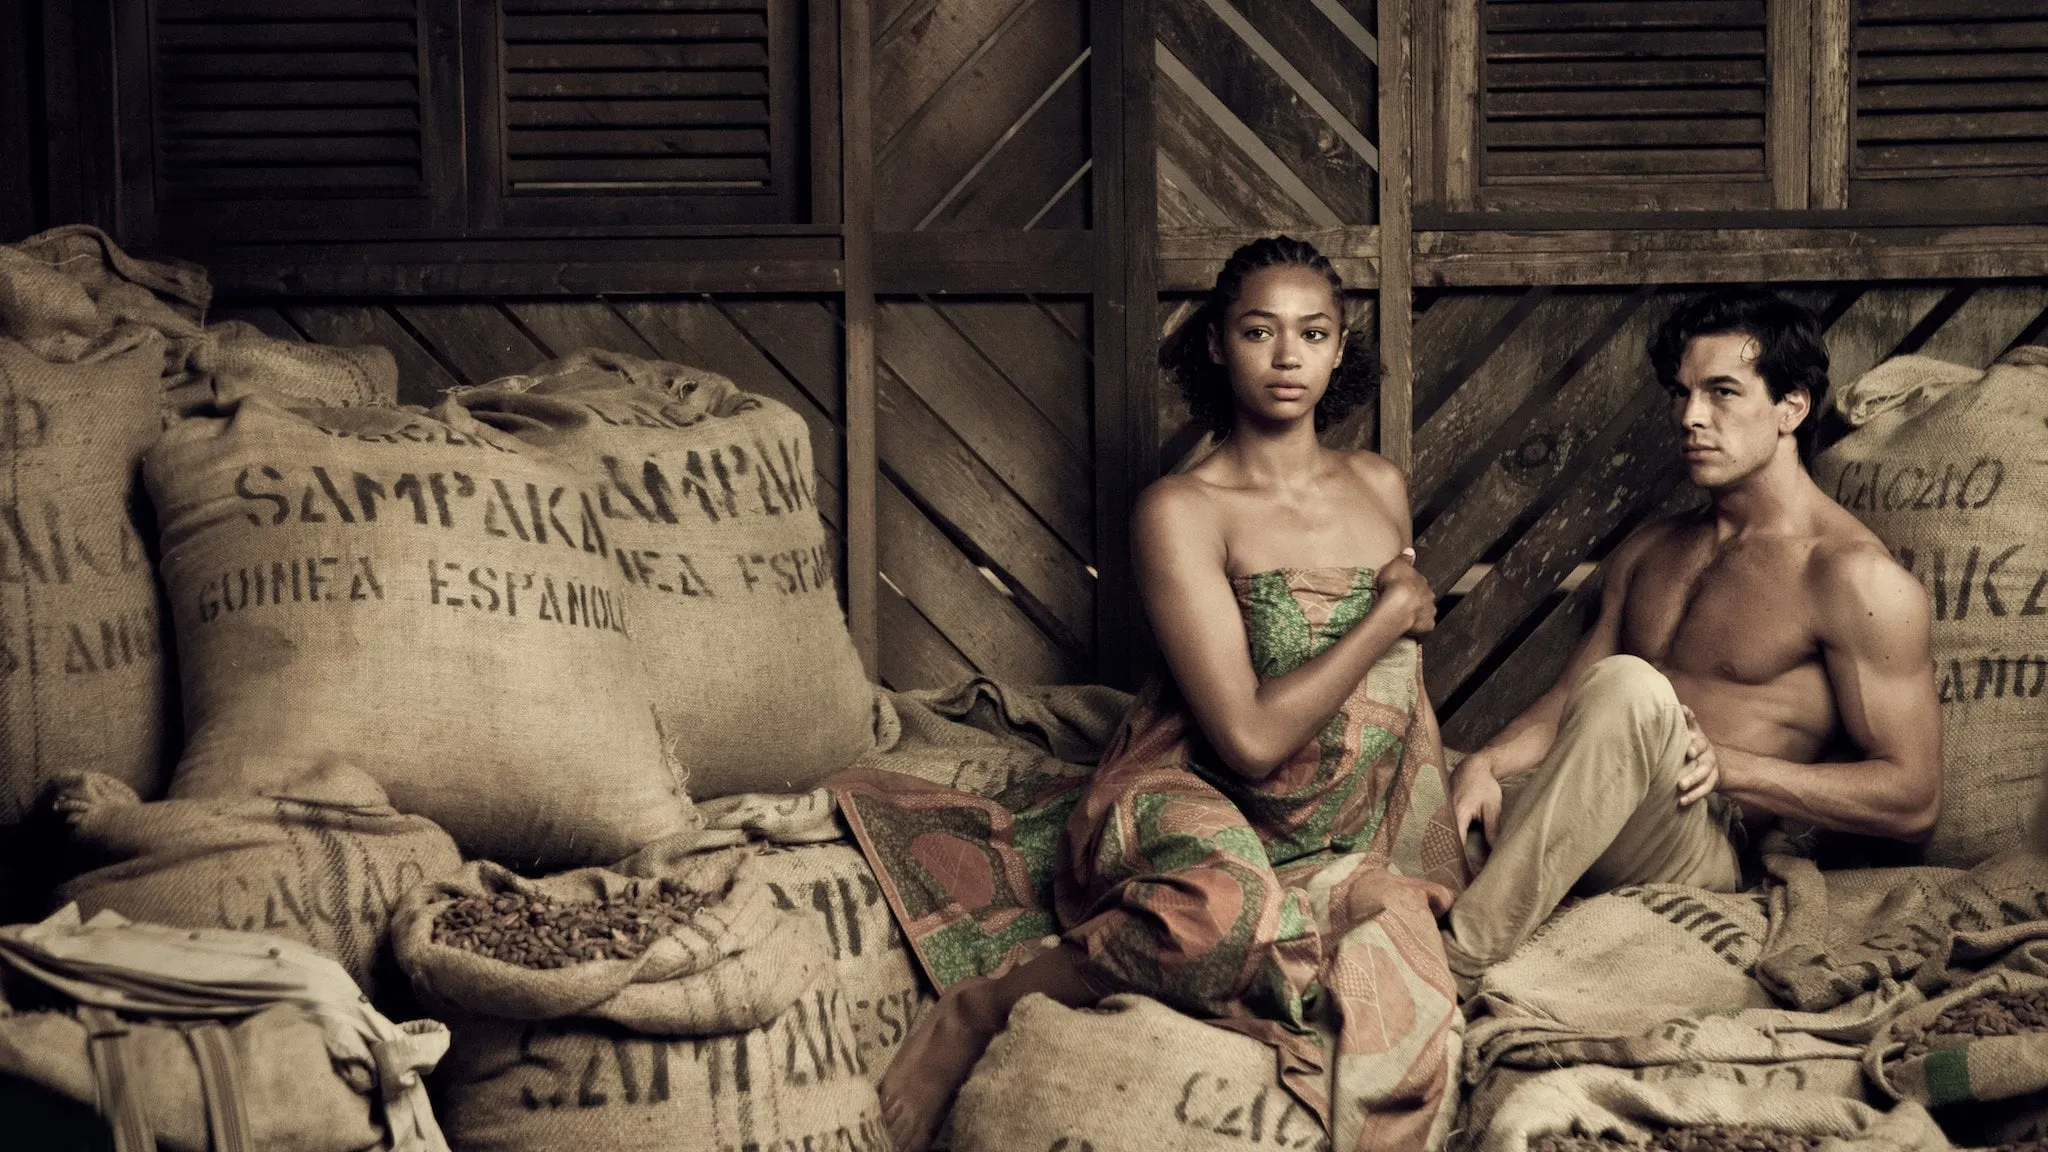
[941,1052]
[933,1063]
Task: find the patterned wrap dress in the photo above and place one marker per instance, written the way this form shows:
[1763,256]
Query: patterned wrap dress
[1196,886]
[1299,909]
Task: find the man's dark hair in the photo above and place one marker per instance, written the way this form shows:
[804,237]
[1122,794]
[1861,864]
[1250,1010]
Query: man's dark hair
[1794,356]
[1206,384]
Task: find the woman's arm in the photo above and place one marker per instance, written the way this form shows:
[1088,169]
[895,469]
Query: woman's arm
[1182,574]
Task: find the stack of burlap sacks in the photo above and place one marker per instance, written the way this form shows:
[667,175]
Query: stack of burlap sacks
[570,636]
[526,630]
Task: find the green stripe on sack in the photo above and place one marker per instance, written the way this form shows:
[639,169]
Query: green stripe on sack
[1948,1076]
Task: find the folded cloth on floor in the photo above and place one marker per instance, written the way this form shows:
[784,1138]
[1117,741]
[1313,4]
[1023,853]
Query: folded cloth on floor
[149,971]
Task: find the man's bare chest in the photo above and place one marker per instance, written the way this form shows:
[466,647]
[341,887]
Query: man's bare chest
[1739,619]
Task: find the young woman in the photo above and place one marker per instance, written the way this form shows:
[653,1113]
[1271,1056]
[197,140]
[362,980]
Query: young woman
[1288,739]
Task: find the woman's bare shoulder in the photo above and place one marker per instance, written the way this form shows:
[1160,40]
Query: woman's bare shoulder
[1377,472]
[1174,502]
[1177,525]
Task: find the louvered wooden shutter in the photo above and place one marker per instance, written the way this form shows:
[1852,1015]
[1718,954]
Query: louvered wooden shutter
[299,118]
[643,111]
[1647,104]
[1951,103]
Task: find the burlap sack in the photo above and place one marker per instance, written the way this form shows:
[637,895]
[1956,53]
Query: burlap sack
[323,862]
[884,991]
[1947,1069]
[94,345]
[233,356]
[793,1083]
[1841,1078]
[730,1034]
[1130,1075]
[737,964]
[1610,1103]
[1628,959]
[421,596]
[1949,466]
[82,676]
[71,294]
[1656,980]
[291,1094]
[709,496]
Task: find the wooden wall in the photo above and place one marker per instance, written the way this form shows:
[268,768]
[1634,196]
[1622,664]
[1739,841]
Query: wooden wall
[1572,171]
[985,506]
[1004,203]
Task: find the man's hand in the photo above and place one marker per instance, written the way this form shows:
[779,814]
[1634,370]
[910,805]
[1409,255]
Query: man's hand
[1402,588]
[1703,773]
[1475,795]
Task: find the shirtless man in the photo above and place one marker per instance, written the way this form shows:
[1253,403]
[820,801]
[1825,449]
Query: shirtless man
[1759,658]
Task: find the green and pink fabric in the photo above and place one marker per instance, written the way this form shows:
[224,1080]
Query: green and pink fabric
[1299,909]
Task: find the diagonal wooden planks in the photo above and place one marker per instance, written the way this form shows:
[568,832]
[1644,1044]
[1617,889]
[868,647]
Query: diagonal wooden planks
[477,341]
[958,491]
[1543,441]
[958,383]
[1987,323]
[955,89]
[1631,465]
[972,614]
[1266,113]
[1038,357]
[1499,381]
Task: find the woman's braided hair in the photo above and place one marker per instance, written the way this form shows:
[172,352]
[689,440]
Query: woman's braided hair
[1206,384]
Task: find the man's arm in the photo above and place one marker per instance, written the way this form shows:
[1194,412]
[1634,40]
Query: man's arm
[1872,620]
[1522,744]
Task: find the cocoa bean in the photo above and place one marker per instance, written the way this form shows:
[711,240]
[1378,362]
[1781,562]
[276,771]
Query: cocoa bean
[544,933]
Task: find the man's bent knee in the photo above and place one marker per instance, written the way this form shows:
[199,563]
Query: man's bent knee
[1630,683]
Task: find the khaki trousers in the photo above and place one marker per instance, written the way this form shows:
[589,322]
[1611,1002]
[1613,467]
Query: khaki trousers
[1600,812]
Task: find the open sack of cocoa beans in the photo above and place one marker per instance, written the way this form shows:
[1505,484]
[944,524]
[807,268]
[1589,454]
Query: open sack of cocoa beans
[668,1003]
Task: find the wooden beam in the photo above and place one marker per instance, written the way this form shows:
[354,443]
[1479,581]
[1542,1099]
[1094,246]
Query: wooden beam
[983,262]
[351,275]
[1789,121]
[134,126]
[824,98]
[1397,291]
[856,184]
[18,211]
[1719,255]
[485,104]
[444,150]
[79,76]
[1831,137]
[1459,104]
[1125,190]
[1189,261]
[778,260]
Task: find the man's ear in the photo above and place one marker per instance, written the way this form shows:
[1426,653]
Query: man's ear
[1794,409]
[1215,346]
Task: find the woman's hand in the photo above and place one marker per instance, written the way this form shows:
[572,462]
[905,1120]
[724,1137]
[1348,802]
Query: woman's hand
[1401,589]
